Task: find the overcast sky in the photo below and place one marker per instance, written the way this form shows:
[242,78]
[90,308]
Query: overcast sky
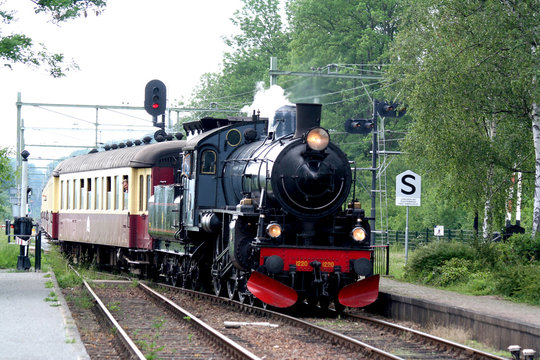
[118,52]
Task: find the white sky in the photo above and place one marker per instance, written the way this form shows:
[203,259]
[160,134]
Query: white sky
[118,52]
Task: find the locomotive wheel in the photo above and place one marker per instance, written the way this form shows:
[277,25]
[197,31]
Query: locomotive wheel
[216,278]
[174,275]
[242,290]
[216,282]
[194,281]
[232,283]
[182,270]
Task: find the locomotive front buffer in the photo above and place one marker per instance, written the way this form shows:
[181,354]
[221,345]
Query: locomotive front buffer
[326,267]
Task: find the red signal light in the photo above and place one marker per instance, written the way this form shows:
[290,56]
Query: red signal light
[155,106]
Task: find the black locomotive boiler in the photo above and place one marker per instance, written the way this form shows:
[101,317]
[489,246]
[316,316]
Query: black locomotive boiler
[255,208]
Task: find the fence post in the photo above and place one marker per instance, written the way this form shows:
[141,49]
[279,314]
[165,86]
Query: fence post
[388,259]
[449,235]
[37,265]
[427,235]
[8,230]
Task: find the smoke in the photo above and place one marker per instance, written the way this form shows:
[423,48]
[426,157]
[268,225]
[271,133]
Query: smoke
[267,101]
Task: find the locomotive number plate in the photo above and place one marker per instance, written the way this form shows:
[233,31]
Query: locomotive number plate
[328,264]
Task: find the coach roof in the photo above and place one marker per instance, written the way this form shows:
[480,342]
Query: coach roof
[142,156]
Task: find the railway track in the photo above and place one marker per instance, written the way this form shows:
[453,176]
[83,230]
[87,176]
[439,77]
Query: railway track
[290,338]
[401,341]
[342,338]
[370,337]
[148,325]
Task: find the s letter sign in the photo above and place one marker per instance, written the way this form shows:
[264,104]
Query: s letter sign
[408,189]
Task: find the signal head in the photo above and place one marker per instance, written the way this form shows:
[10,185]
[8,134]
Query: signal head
[359,126]
[155,97]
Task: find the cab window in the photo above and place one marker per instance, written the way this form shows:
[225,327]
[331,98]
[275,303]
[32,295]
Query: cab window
[208,162]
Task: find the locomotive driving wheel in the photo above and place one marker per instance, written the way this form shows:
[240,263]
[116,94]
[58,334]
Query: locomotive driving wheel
[232,283]
[219,264]
[241,287]
[217,273]
[194,282]
[175,270]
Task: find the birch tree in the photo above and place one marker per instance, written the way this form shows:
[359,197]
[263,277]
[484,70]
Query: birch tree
[465,68]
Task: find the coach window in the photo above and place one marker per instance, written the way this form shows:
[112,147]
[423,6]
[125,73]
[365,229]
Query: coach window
[148,190]
[62,195]
[124,189]
[82,195]
[109,193]
[68,193]
[141,192]
[97,198]
[75,195]
[208,162]
[118,192]
[88,194]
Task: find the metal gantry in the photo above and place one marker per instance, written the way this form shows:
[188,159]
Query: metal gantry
[96,125]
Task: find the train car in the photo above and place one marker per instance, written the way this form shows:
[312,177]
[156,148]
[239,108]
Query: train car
[96,204]
[252,208]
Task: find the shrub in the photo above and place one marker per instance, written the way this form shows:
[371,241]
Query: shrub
[426,260]
[452,271]
[520,249]
[521,282]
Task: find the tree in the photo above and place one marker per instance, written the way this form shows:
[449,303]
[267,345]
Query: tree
[6,181]
[19,48]
[262,35]
[465,68]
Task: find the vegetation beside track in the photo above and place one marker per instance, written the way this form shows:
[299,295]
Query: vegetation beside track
[510,269]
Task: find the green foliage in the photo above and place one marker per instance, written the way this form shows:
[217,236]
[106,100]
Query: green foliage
[452,271]
[62,10]
[452,61]
[510,269]
[521,249]
[19,48]
[65,277]
[520,282]
[428,259]
[8,253]
[6,171]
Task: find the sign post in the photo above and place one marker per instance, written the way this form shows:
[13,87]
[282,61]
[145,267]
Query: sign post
[408,191]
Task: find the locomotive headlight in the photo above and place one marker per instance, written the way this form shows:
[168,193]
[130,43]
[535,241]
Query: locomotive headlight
[273,230]
[358,233]
[317,139]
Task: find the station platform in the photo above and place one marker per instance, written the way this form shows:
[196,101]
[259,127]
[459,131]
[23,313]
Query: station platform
[490,319]
[35,321]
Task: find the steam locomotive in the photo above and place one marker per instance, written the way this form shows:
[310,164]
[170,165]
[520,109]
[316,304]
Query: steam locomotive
[250,207]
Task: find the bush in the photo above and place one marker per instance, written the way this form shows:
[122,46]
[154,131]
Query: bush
[452,271]
[520,249]
[520,282]
[428,259]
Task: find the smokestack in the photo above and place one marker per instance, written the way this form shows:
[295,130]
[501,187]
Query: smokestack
[307,116]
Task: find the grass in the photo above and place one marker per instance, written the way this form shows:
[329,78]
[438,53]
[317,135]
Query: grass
[397,262]
[9,253]
[462,336]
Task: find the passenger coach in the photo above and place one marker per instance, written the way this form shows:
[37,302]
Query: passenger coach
[102,198]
